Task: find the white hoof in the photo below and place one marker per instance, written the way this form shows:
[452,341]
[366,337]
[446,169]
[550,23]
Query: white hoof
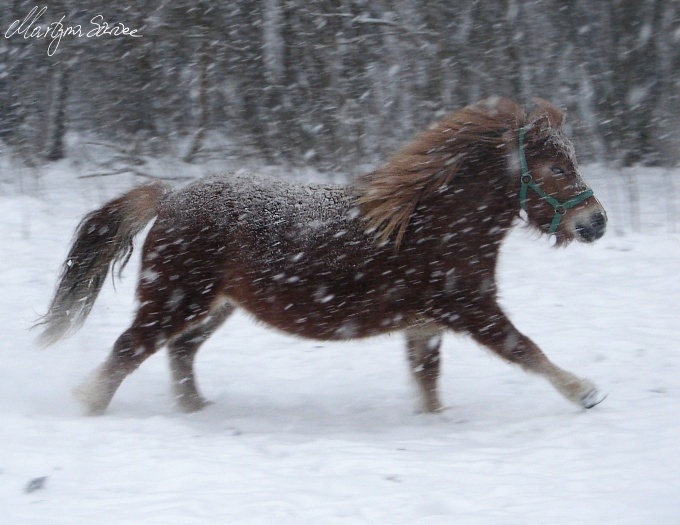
[592,398]
[93,395]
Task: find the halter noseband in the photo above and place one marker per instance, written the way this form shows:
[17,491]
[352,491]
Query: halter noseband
[528,182]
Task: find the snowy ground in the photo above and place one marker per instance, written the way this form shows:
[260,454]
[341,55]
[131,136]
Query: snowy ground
[314,433]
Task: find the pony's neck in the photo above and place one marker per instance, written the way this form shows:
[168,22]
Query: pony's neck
[477,209]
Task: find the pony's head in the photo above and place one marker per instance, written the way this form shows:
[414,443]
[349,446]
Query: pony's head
[493,140]
[552,193]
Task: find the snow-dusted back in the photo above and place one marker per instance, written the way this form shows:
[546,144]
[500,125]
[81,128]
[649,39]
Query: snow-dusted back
[267,202]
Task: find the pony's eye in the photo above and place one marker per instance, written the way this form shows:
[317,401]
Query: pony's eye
[556,170]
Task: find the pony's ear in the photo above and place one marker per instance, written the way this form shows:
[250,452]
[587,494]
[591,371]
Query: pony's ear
[545,116]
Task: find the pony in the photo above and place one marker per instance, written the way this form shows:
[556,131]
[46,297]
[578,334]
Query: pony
[410,247]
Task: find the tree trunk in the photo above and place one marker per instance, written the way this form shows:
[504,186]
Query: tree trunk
[201,104]
[56,124]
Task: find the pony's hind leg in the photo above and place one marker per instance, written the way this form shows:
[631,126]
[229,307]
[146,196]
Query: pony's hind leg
[129,351]
[423,356]
[182,351]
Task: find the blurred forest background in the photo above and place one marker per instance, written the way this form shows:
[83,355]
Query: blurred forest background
[335,84]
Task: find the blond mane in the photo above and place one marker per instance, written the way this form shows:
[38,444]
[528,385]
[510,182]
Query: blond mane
[389,195]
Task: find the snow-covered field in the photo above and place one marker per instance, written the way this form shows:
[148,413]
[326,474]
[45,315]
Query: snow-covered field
[304,432]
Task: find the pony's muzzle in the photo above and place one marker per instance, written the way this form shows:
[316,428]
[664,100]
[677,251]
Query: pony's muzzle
[591,227]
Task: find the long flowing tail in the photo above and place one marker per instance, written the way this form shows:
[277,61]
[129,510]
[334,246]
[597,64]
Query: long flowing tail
[102,240]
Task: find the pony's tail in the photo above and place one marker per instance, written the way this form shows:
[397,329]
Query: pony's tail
[102,240]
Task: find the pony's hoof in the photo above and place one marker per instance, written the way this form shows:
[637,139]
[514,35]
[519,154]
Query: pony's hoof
[431,408]
[90,399]
[592,398]
[192,404]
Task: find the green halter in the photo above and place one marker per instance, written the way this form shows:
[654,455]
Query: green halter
[528,182]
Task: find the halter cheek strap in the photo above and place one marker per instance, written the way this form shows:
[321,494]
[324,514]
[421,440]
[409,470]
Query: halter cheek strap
[528,183]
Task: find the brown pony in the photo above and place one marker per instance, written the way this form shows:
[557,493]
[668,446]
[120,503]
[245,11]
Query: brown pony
[411,247]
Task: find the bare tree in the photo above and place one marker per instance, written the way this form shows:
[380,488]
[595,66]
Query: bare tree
[337,83]
[56,120]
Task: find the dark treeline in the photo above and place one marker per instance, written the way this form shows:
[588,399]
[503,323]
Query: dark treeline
[336,83]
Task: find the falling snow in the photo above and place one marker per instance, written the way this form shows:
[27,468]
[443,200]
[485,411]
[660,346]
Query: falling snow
[302,432]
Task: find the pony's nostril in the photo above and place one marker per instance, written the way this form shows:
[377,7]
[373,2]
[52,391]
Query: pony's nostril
[593,229]
[599,220]
[599,224]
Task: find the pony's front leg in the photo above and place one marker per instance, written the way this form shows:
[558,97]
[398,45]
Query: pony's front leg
[489,326]
[423,356]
